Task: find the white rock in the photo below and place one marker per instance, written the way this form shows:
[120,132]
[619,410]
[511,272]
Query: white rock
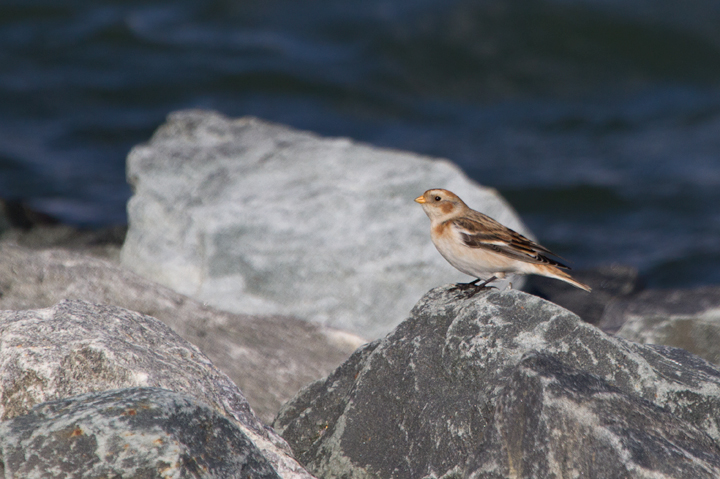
[254,217]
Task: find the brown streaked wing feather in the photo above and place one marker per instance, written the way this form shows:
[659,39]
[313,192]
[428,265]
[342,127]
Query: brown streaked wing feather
[480,231]
[512,236]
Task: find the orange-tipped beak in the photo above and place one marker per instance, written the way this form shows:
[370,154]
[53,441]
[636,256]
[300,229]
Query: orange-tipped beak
[420,199]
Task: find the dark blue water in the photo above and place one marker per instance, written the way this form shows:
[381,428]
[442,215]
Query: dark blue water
[598,119]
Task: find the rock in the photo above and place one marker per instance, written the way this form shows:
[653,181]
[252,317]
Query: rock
[20,225]
[608,283]
[269,357]
[688,319]
[505,384]
[138,432]
[258,218]
[77,347]
[552,420]
[103,243]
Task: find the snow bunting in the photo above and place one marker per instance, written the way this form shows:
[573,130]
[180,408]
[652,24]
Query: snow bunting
[481,247]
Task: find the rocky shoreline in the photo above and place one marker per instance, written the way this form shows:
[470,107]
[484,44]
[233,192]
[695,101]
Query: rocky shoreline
[172,353]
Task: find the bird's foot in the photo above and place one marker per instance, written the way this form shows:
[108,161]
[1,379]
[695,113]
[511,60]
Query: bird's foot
[472,285]
[465,286]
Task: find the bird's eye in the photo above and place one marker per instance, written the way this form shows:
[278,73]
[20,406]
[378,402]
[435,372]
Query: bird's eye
[437,198]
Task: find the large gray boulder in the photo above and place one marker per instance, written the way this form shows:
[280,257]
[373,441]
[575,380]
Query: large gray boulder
[128,433]
[684,318]
[269,357]
[77,347]
[505,384]
[258,218]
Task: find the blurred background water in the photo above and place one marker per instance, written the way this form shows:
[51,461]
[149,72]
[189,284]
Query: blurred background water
[599,120]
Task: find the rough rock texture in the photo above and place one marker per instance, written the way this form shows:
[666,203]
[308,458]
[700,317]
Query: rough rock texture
[77,347]
[258,218]
[688,319]
[609,283]
[459,388]
[269,357]
[551,418]
[128,433]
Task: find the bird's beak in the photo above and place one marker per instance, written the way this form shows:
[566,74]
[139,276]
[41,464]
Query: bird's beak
[420,199]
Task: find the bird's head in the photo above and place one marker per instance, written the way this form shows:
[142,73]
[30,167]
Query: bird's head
[440,204]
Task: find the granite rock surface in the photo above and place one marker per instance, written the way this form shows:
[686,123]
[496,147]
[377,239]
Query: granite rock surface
[553,421]
[129,433]
[505,384]
[77,347]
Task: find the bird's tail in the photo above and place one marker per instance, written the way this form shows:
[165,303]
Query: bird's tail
[563,276]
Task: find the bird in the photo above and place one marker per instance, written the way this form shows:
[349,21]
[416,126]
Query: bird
[483,248]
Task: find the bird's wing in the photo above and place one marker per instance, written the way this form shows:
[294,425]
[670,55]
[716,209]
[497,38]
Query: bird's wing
[480,231]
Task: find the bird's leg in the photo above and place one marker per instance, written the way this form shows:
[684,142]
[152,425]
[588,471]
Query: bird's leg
[464,286]
[482,286]
[492,278]
[473,284]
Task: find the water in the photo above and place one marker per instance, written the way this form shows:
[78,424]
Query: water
[598,119]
